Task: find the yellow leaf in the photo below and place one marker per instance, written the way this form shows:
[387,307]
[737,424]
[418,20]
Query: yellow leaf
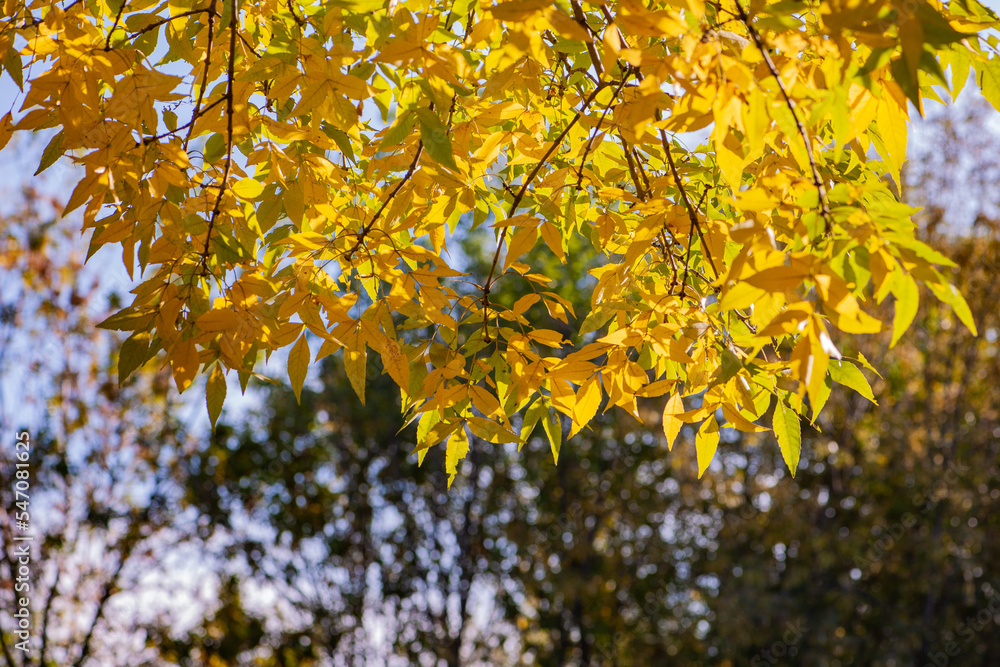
[215,393]
[218,320]
[298,366]
[553,429]
[486,402]
[457,449]
[248,188]
[788,431]
[671,424]
[948,294]
[907,301]
[738,421]
[547,337]
[553,240]
[185,363]
[706,443]
[356,363]
[588,401]
[523,241]
[892,124]
[396,363]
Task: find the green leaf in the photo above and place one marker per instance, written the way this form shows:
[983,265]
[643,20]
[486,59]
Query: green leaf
[553,429]
[268,213]
[456,450]
[937,30]
[947,293]
[849,375]
[360,6]
[400,130]
[531,417]
[907,301]
[134,353]
[867,364]
[706,443]
[53,151]
[788,431]
[907,80]
[215,148]
[822,395]
[437,143]
[298,366]
[215,393]
[988,78]
[356,365]
[342,140]
[729,366]
[248,188]
[127,320]
[12,62]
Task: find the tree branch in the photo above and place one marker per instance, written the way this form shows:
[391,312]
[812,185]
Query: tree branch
[208,63]
[148,140]
[597,128]
[692,214]
[114,26]
[581,18]
[824,205]
[399,186]
[520,195]
[53,591]
[156,24]
[231,75]
[109,589]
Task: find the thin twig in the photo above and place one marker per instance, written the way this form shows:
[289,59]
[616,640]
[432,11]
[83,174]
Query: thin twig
[639,190]
[581,18]
[299,20]
[204,78]
[520,195]
[156,24]
[597,128]
[692,214]
[148,140]
[231,76]
[399,186]
[114,26]
[766,53]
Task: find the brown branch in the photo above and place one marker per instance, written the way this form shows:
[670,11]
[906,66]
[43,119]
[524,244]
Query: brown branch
[766,53]
[692,214]
[109,590]
[399,186]
[597,128]
[249,46]
[53,591]
[156,24]
[298,19]
[231,75]
[581,18]
[642,170]
[114,26]
[639,190]
[520,195]
[148,140]
[204,78]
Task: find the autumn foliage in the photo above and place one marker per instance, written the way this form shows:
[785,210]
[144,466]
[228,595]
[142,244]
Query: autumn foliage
[296,174]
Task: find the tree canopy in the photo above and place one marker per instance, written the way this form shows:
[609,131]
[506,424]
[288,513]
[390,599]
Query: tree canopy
[300,175]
